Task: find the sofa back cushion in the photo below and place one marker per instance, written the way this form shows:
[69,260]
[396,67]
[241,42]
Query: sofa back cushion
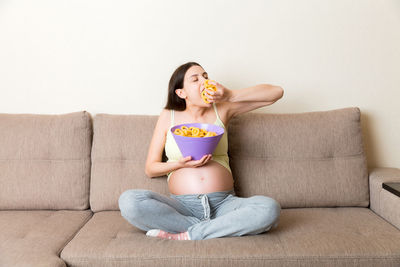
[120,144]
[45,161]
[313,159]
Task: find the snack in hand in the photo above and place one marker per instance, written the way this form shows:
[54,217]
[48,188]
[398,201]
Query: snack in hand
[207,86]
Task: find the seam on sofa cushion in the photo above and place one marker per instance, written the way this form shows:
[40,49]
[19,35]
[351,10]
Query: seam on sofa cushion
[74,234]
[296,258]
[245,157]
[275,158]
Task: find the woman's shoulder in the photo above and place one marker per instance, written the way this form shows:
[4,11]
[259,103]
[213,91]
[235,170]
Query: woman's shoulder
[164,119]
[165,113]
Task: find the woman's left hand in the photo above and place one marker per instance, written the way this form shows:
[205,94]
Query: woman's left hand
[221,95]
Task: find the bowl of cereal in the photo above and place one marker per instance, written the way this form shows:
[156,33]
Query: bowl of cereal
[197,139]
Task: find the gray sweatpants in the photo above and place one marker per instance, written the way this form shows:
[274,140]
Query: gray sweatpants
[204,216]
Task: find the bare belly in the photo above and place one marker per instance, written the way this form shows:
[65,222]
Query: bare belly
[211,177]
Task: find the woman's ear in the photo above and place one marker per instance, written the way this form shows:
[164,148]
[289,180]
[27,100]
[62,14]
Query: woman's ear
[181,93]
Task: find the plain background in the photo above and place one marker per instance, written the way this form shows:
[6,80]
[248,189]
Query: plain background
[117,56]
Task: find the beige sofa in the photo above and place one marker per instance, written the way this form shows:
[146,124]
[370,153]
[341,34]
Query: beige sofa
[61,177]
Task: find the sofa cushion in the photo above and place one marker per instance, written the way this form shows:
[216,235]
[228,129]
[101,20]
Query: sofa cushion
[304,237]
[45,161]
[35,238]
[313,159]
[120,144]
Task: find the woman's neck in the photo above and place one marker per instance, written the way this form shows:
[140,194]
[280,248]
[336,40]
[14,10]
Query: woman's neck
[196,112]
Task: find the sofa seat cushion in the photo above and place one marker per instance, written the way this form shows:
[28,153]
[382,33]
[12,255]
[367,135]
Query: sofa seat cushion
[352,236]
[35,238]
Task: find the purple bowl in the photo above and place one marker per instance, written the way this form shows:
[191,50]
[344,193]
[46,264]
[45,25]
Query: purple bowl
[197,147]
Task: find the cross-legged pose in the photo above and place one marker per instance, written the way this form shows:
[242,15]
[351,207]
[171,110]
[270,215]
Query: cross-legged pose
[202,203]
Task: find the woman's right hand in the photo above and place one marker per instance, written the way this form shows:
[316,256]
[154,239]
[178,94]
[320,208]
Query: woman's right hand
[187,162]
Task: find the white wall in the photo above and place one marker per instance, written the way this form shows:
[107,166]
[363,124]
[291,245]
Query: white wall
[117,56]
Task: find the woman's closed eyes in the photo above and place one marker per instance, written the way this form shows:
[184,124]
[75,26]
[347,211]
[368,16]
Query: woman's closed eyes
[205,77]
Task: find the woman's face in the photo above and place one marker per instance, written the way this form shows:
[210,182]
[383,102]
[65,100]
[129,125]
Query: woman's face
[193,86]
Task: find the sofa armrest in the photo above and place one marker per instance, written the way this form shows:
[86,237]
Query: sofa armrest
[383,202]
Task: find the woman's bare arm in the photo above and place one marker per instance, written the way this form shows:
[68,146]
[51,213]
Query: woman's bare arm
[239,101]
[154,165]
[248,99]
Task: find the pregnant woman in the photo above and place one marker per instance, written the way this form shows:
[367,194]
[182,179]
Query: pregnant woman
[202,202]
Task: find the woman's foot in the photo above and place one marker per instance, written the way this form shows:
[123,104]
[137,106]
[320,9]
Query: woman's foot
[165,235]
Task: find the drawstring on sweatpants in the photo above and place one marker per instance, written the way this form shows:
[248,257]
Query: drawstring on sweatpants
[206,206]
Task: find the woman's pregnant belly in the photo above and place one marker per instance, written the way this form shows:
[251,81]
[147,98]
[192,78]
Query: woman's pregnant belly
[211,177]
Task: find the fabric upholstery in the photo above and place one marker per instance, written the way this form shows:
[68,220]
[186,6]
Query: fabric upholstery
[119,151]
[385,203]
[36,237]
[344,236]
[45,161]
[313,159]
